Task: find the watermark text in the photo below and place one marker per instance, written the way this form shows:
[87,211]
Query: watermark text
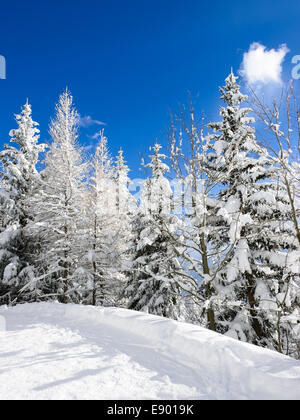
[2,67]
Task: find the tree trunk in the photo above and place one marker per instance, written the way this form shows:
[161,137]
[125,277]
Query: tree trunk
[256,325]
[210,312]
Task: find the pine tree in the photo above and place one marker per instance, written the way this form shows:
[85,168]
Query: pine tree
[252,209]
[126,208]
[153,284]
[57,206]
[18,180]
[100,222]
[286,299]
[282,130]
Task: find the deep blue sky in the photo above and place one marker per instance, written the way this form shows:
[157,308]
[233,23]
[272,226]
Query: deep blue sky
[128,62]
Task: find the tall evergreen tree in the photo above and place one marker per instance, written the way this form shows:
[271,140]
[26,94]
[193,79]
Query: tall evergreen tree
[252,209]
[57,205]
[281,134]
[18,179]
[126,207]
[100,223]
[153,283]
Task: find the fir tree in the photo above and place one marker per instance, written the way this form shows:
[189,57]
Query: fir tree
[18,179]
[58,203]
[101,225]
[126,208]
[251,210]
[153,285]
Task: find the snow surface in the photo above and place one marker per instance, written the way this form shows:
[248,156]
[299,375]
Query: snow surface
[2,323]
[54,351]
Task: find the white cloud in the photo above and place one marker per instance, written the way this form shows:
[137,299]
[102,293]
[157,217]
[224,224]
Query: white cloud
[88,147]
[94,136]
[262,66]
[88,121]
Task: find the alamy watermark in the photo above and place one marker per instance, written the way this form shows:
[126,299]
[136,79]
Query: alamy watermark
[296,69]
[178,196]
[2,67]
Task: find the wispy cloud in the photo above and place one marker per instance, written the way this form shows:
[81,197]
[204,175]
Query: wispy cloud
[88,121]
[94,136]
[262,66]
[88,147]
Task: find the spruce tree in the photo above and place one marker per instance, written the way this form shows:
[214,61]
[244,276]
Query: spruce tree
[250,215]
[153,283]
[100,224]
[57,206]
[126,208]
[19,177]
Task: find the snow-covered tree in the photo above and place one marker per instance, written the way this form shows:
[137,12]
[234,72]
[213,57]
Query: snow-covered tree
[195,203]
[126,207]
[125,203]
[19,176]
[103,243]
[252,211]
[153,284]
[57,205]
[281,136]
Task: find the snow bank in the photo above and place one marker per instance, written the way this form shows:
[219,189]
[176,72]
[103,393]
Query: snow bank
[2,323]
[242,369]
[223,368]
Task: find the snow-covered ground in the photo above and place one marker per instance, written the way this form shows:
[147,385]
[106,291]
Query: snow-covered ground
[54,351]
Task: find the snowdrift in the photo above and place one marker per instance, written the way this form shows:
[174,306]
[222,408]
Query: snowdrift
[2,323]
[228,368]
[255,372]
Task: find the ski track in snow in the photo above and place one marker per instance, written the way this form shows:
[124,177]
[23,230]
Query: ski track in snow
[53,351]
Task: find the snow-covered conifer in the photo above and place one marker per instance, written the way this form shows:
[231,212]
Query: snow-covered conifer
[57,205]
[251,208]
[18,180]
[101,259]
[281,134]
[126,207]
[153,284]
